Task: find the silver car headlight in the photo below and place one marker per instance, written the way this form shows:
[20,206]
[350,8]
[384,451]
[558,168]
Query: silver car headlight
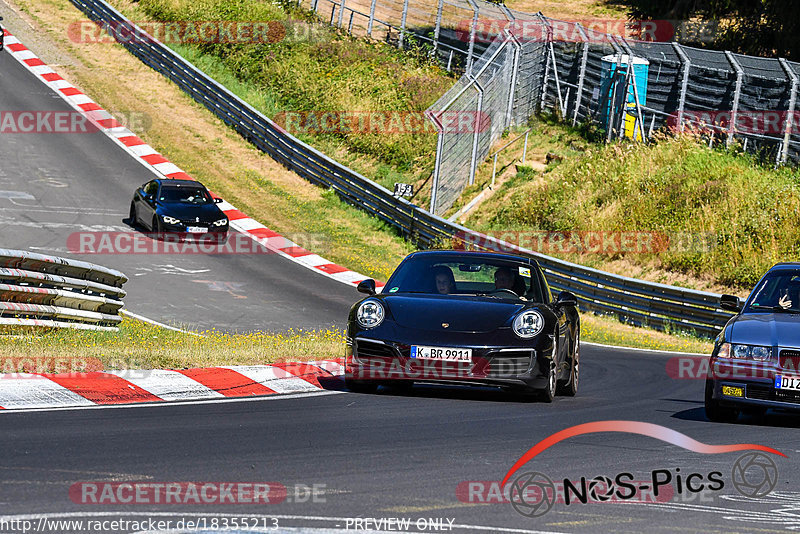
[370,314]
[738,351]
[170,220]
[221,222]
[528,324]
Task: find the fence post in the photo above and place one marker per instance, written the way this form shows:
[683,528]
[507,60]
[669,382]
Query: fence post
[438,27]
[790,113]
[315,6]
[737,93]
[687,65]
[341,13]
[403,24]
[582,74]
[371,17]
[546,60]
[472,31]
[437,165]
[474,164]
[515,66]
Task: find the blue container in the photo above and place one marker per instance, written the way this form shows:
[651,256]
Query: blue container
[614,68]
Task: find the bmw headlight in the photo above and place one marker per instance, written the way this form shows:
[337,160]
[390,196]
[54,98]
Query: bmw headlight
[221,222]
[170,220]
[528,324]
[370,314]
[738,351]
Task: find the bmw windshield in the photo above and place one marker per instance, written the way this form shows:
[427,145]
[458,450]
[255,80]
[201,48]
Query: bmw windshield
[778,291]
[185,195]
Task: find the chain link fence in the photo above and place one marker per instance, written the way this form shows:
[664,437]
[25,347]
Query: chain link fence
[515,64]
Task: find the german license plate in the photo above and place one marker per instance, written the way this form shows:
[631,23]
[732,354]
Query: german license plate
[196,229]
[791,383]
[441,353]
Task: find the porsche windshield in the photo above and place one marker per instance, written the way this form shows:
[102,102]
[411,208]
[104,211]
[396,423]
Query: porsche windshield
[778,291]
[466,276]
[185,195]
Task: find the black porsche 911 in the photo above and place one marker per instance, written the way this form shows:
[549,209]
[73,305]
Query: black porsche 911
[755,364]
[178,206]
[465,318]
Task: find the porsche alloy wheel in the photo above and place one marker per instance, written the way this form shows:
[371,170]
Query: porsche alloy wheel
[549,392]
[570,388]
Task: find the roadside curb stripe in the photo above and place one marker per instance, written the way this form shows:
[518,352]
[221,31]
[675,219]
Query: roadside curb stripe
[161,166]
[26,391]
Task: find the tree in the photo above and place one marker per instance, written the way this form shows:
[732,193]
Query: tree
[757,27]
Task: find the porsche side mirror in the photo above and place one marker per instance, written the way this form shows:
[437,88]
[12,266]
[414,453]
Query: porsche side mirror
[217,200]
[367,286]
[565,298]
[730,303]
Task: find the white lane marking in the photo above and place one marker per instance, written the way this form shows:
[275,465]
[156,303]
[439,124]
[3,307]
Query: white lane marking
[167,385]
[16,194]
[273,377]
[33,391]
[61,226]
[155,323]
[643,350]
[73,515]
[167,404]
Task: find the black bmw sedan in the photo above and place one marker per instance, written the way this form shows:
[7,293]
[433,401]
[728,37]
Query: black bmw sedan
[177,206]
[465,318]
[755,364]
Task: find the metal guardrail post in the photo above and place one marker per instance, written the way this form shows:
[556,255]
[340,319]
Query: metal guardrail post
[787,132]
[687,65]
[737,93]
[525,147]
[403,24]
[341,13]
[582,74]
[438,27]
[315,6]
[371,17]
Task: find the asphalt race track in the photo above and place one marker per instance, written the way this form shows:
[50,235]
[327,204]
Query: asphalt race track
[388,455]
[53,185]
[404,455]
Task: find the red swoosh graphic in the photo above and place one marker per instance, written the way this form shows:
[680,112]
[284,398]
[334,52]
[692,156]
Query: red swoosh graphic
[633,427]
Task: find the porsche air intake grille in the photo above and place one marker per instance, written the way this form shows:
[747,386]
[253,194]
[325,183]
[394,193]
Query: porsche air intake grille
[508,363]
[790,359]
[370,350]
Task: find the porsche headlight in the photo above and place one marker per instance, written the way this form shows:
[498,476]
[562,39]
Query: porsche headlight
[528,324]
[170,220]
[370,314]
[221,222]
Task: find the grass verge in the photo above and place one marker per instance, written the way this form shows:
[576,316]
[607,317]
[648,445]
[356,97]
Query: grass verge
[139,345]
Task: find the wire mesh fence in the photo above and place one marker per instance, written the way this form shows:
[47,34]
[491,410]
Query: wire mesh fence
[515,64]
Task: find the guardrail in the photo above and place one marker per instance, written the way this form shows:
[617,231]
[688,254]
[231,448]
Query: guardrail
[643,303]
[47,291]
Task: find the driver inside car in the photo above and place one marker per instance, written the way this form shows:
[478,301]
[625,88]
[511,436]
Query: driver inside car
[506,278]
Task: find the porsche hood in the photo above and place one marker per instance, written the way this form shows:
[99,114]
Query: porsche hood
[461,313]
